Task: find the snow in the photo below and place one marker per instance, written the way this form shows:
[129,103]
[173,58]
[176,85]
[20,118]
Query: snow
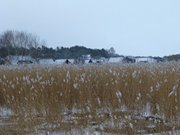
[4,112]
[46,61]
[115,60]
[94,128]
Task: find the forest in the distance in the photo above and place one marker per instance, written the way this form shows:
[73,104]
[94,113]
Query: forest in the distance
[23,43]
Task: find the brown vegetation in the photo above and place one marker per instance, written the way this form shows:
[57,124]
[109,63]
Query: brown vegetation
[128,98]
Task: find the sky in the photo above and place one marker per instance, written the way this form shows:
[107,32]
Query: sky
[132,27]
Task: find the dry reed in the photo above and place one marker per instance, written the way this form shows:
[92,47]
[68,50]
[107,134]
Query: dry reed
[125,98]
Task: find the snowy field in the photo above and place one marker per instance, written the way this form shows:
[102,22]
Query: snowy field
[90,99]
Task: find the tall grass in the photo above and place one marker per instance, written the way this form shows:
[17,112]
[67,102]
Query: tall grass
[111,97]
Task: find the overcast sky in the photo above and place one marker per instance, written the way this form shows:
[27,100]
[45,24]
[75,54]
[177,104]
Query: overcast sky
[132,27]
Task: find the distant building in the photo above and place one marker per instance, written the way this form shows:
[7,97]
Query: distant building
[46,61]
[149,59]
[145,59]
[14,59]
[159,59]
[79,60]
[101,60]
[115,60]
[128,59]
[86,57]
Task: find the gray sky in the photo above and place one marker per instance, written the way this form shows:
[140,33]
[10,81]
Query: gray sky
[132,27]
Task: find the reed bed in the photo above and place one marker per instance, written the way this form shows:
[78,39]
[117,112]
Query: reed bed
[107,98]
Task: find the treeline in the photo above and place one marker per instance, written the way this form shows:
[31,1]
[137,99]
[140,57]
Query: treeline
[175,57]
[72,52]
[23,43]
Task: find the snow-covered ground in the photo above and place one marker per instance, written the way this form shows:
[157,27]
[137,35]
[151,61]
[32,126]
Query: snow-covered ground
[110,126]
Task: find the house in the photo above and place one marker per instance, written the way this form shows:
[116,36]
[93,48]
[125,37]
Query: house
[79,60]
[115,60]
[18,59]
[159,59]
[101,60]
[149,59]
[145,60]
[128,59]
[46,61]
[84,59]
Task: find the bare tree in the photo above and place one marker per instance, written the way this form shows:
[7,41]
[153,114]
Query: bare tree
[112,51]
[21,41]
[7,40]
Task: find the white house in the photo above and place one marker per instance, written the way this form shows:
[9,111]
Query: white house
[145,59]
[115,60]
